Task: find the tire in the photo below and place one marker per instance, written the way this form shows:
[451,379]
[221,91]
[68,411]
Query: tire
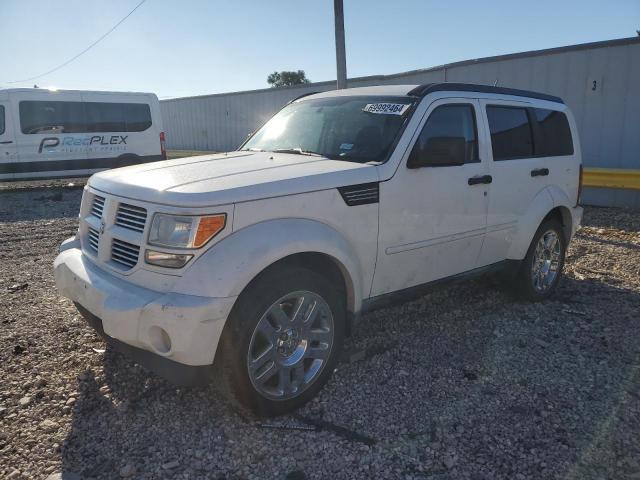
[272,363]
[532,282]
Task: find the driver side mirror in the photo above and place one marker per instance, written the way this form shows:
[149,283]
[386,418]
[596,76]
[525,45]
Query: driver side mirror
[438,152]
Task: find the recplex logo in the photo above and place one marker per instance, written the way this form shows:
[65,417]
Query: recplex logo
[49,144]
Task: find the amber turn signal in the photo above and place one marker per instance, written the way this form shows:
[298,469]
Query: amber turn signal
[209,227]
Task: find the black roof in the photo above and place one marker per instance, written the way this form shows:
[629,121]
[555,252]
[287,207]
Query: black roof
[427,88]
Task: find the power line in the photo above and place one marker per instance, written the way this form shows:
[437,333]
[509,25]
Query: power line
[83,51]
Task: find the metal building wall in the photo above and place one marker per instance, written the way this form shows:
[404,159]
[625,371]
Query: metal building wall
[608,117]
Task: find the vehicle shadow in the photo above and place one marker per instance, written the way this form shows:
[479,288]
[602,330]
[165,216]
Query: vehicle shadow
[464,381]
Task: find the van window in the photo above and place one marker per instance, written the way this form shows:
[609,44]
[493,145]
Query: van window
[511,135]
[117,117]
[553,137]
[83,117]
[448,138]
[1,119]
[52,117]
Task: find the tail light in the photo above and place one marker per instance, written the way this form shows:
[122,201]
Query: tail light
[580,186]
[163,149]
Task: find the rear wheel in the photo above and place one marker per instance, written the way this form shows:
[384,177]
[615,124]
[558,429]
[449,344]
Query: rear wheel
[540,271]
[282,340]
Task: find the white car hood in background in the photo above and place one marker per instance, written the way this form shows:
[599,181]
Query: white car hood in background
[220,179]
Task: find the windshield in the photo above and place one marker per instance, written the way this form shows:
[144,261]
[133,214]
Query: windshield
[359,129]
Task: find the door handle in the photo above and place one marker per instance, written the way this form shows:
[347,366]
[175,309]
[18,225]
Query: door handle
[540,172]
[480,179]
[6,142]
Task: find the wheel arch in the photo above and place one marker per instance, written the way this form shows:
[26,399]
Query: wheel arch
[229,267]
[547,204]
[321,263]
[563,215]
[562,206]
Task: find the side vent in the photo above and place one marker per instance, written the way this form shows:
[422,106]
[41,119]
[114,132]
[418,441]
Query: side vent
[361,194]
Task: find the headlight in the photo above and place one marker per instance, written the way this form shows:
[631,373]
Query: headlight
[182,231]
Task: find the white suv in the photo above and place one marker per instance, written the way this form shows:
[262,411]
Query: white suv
[344,201]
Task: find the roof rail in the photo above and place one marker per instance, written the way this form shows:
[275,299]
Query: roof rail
[427,88]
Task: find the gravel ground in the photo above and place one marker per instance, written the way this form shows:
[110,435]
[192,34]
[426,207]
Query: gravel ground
[463,383]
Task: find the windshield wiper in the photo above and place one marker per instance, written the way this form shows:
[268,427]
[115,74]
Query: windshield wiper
[297,151]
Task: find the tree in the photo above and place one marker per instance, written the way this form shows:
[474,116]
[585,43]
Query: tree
[286,78]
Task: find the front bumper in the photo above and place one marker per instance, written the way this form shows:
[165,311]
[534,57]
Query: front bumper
[177,373]
[162,331]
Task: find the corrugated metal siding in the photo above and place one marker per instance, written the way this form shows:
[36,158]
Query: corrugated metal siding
[608,119]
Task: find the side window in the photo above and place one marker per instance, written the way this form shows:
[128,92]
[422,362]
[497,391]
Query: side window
[1,119]
[83,117]
[105,117]
[511,135]
[117,117]
[52,117]
[138,117]
[553,136]
[448,138]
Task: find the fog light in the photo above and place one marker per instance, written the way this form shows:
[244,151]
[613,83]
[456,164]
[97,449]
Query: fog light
[160,340]
[168,260]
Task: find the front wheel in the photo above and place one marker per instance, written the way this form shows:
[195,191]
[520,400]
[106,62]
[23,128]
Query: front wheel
[282,340]
[540,271]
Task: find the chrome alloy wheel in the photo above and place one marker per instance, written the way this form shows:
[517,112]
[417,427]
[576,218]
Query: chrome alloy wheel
[290,345]
[546,261]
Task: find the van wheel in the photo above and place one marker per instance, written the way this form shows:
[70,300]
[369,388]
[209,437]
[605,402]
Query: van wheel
[282,340]
[539,272]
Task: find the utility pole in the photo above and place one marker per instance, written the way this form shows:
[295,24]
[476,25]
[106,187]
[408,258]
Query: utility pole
[341,58]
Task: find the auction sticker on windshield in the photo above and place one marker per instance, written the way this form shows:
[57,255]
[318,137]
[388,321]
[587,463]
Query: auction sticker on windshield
[386,108]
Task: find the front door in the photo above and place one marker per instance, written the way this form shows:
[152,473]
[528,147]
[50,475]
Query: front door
[433,210]
[8,147]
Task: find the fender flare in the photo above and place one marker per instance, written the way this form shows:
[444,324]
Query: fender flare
[228,266]
[566,206]
[528,223]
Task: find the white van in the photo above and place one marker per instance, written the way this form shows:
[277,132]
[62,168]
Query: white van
[66,133]
[343,202]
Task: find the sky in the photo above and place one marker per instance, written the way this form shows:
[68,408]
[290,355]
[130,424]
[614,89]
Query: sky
[178,48]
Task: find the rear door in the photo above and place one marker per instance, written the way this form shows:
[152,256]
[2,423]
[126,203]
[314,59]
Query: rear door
[518,174]
[8,148]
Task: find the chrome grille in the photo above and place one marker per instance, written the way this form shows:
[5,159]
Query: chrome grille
[131,217]
[97,206]
[124,253]
[93,240]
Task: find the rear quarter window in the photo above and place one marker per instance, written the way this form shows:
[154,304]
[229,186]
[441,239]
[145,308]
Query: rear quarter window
[553,135]
[117,117]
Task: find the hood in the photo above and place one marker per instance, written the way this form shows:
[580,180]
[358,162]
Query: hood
[225,178]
